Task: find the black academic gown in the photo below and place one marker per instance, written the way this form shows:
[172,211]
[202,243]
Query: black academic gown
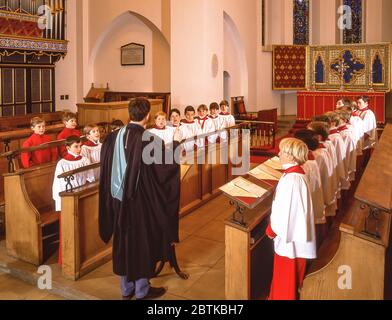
[145,223]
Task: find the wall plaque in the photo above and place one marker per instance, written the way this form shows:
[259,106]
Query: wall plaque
[132,54]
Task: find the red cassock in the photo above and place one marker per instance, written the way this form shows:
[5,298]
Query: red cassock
[64,135]
[293,249]
[288,275]
[40,156]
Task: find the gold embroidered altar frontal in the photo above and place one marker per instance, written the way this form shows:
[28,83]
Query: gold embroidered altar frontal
[353,67]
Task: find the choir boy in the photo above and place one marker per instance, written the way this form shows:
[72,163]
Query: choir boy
[38,137]
[71,161]
[370,123]
[70,122]
[116,125]
[312,172]
[175,118]
[91,149]
[161,130]
[292,225]
[346,130]
[340,149]
[227,116]
[219,121]
[189,129]
[206,125]
[359,127]
[325,162]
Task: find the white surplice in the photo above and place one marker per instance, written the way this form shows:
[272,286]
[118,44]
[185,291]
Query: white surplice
[59,185]
[292,218]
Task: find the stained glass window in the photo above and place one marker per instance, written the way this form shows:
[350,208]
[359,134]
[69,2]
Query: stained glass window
[301,16]
[354,35]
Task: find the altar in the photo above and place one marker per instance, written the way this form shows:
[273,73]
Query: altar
[322,75]
[312,103]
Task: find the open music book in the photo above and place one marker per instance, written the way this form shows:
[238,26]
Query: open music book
[274,163]
[241,187]
[264,172]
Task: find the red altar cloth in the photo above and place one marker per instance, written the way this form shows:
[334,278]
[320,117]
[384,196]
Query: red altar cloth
[312,103]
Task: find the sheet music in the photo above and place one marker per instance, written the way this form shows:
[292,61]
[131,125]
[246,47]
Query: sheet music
[274,163]
[241,187]
[258,173]
[272,172]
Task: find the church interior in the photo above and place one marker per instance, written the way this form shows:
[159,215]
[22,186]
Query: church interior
[282,67]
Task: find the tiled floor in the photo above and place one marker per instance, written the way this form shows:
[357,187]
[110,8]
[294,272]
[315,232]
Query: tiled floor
[200,254]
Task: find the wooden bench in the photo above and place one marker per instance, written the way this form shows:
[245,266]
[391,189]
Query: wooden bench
[31,220]
[82,247]
[362,240]
[23,121]
[13,140]
[111,96]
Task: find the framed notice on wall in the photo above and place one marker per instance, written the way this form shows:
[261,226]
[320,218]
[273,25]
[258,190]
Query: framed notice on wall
[132,54]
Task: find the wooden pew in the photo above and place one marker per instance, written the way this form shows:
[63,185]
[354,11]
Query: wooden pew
[23,121]
[82,248]
[13,140]
[31,222]
[111,96]
[203,180]
[249,254]
[29,199]
[361,243]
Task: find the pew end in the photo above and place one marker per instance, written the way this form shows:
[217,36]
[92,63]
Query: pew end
[82,248]
[348,249]
[31,221]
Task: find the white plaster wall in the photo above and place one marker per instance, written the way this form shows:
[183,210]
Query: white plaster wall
[107,67]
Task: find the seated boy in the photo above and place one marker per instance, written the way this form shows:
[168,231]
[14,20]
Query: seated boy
[292,223]
[70,122]
[38,137]
[161,130]
[91,149]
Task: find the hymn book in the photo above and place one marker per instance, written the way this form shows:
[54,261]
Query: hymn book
[241,187]
[274,163]
[264,172]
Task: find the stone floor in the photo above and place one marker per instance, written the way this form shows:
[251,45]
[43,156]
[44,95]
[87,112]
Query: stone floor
[12,288]
[200,253]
